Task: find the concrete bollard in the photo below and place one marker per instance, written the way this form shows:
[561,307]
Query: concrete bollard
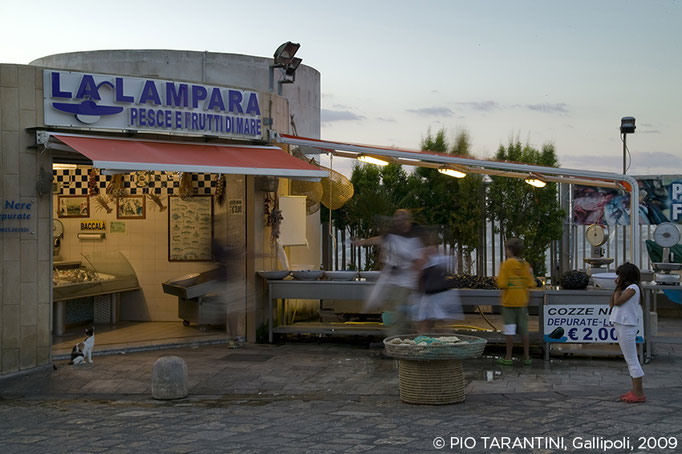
[170,378]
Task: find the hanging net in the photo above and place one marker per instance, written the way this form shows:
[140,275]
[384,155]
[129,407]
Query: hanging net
[337,189]
[313,192]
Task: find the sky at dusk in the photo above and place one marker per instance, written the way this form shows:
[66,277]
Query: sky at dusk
[542,71]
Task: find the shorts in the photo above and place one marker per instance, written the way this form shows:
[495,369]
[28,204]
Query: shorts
[515,320]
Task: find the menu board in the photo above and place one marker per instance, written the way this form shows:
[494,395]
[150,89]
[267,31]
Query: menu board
[190,228]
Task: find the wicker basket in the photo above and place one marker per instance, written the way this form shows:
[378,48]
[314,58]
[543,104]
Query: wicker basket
[432,382]
[472,349]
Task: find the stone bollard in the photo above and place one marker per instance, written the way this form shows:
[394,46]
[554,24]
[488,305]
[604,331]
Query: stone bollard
[170,378]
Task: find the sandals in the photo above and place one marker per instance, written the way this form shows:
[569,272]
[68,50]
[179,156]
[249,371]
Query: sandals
[631,398]
[505,362]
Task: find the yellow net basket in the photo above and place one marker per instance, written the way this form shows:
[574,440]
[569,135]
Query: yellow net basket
[312,190]
[336,189]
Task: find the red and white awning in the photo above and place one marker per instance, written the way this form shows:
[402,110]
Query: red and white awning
[128,155]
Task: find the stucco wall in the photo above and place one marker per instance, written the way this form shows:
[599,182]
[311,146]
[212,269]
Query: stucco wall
[24,257]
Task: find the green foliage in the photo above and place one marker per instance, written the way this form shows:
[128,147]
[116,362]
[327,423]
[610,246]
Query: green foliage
[453,203]
[532,214]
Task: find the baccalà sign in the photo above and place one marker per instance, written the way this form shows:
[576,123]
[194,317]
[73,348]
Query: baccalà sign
[84,100]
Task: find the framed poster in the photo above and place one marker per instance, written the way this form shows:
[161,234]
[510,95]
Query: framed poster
[131,207]
[73,206]
[190,228]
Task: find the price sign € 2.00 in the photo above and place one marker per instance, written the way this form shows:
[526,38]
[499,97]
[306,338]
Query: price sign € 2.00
[582,323]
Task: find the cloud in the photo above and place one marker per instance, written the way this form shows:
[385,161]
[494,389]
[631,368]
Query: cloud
[484,106]
[388,120]
[433,111]
[643,163]
[328,116]
[560,108]
[650,131]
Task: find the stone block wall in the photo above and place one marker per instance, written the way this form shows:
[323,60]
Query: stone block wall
[25,300]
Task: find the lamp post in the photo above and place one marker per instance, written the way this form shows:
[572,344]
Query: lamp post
[627,126]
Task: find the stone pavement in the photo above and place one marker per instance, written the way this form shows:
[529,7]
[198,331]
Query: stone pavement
[332,397]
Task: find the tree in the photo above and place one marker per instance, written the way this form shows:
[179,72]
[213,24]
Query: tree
[523,211]
[452,203]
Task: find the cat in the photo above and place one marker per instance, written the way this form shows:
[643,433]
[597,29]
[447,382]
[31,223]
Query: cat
[83,350]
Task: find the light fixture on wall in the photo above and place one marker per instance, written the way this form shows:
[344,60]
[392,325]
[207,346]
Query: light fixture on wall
[535,181]
[91,236]
[285,60]
[449,171]
[371,160]
[58,166]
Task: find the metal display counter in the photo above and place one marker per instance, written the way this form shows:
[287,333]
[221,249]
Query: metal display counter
[199,298]
[360,290]
[315,290]
[97,274]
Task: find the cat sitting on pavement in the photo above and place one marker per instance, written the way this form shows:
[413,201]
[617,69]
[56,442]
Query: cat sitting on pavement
[83,350]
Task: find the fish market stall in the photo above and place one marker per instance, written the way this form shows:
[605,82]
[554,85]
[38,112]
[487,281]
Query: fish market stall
[97,275]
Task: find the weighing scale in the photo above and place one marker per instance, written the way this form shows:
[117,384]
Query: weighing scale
[57,235]
[666,235]
[596,236]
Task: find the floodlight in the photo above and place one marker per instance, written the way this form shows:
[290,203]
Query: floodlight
[627,125]
[292,66]
[285,53]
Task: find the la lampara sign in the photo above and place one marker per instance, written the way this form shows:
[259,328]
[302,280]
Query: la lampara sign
[84,100]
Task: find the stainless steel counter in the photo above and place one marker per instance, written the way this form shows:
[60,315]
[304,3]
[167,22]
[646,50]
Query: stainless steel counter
[360,290]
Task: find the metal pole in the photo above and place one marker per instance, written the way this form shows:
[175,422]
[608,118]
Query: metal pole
[625,148]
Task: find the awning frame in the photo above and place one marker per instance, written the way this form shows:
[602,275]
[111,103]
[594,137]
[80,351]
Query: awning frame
[488,167]
[49,139]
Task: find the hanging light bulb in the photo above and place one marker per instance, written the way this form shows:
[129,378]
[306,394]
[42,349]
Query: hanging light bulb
[371,160]
[452,172]
[536,182]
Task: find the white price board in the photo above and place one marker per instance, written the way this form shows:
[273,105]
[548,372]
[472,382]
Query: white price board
[582,323]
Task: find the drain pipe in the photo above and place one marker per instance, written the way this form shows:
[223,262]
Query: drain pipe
[203,66]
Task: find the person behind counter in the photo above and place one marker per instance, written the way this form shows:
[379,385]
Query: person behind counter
[625,315]
[515,278]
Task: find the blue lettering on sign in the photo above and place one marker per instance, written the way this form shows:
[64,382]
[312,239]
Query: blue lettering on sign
[198,94]
[149,93]
[120,97]
[216,100]
[56,91]
[252,108]
[235,101]
[88,88]
[177,97]
[212,100]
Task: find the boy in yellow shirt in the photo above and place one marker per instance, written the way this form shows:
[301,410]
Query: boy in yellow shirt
[515,278]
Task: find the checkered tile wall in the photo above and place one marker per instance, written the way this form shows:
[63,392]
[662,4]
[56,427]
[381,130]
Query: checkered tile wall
[75,182]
